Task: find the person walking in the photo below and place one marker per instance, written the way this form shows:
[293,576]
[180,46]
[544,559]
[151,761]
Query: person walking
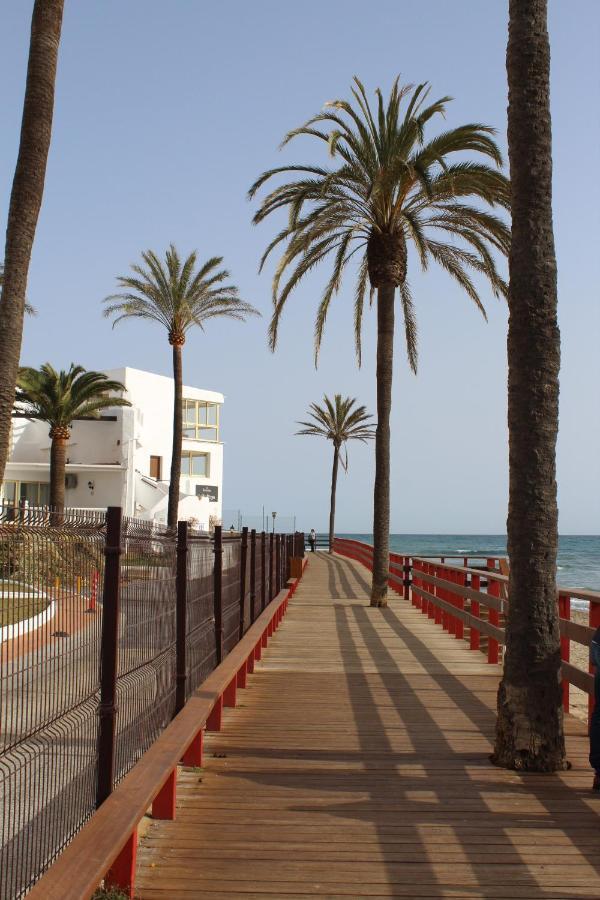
[595,720]
[312,540]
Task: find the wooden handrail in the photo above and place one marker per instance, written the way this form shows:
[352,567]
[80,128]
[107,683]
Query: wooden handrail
[107,843]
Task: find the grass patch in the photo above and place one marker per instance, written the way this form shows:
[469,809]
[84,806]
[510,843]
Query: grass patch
[15,609]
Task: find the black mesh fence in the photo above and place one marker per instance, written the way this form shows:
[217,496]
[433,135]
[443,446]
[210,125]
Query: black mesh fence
[72,589]
[201,656]
[50,581]
[232,555]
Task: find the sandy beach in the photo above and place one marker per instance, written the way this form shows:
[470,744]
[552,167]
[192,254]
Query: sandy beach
[580,658]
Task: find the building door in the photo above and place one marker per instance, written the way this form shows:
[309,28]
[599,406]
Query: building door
[155,467]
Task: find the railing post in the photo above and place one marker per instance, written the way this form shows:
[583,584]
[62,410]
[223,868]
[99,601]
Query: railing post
[594,622]
[474,635]
[218,591]
[271,567]
[263,571]
[460,603]
[181,615]
[253,574]
[243,565]
[109,655]
[493,590]
[277,563]
[407,573]
[564,612]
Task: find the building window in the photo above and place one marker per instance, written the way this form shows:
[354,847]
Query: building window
[156,467]
[200,420]
[32,493]
[195,465]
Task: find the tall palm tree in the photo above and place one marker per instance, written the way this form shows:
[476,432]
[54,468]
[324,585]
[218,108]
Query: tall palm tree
[387,187]
[177,295]
[58,398]
[28,309]
[339,422]
[26,199]
[529,732]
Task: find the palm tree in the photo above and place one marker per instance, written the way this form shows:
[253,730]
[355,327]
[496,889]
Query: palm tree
[58,398]
[26,199]
[529,733]
[339,422]
[28,309]
[177,296]
[389,188]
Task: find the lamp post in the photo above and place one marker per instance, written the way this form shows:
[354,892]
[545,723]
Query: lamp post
[274,514]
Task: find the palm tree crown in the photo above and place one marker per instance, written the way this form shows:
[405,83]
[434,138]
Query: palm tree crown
[60,397]
[389,187]
[339,421]
[175,295]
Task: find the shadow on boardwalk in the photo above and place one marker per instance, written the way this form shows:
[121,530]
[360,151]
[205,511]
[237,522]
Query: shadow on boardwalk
[358,766]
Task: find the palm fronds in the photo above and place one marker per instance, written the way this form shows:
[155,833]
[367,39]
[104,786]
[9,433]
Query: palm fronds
[176,294]
[60,397]
[384,176]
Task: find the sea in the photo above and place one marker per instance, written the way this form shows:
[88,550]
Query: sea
[578,554]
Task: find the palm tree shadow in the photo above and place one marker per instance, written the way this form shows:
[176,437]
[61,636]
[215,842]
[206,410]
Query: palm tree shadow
[411,772]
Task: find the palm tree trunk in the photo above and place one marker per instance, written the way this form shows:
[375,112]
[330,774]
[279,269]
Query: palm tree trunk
[381,497]
[529,731]
[177,437]
[26,199]
[58,458]
[334,475]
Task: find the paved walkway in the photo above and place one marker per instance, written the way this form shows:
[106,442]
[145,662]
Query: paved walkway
[356,765]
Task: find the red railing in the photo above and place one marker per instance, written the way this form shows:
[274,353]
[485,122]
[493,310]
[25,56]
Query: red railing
[475,597]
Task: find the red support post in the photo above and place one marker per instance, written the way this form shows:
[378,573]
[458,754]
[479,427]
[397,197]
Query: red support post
[230,693]
[446,597]
[452,599]
[475,637]
[193,754]
[494,619]
[258,650]
[163,805]
[564,612]
[215,719]
[431,589]
[121,874]
[242,675]
[461,579]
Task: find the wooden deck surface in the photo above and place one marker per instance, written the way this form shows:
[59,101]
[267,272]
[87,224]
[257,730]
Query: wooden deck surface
[356,765]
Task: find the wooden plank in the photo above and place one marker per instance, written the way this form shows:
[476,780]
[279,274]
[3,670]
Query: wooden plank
[357,766]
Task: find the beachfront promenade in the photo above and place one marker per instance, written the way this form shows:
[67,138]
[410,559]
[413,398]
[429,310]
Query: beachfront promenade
[356,764]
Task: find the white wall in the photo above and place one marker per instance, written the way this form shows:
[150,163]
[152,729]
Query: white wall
[127,443]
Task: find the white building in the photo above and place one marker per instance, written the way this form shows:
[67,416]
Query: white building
[124,458]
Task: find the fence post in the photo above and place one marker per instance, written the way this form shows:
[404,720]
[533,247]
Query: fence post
[564,612]
[253,574]
[109,654]
[271,566]
[263,571]
[278,563]
[181,615]
[594,622]
[243,567]
[218,591]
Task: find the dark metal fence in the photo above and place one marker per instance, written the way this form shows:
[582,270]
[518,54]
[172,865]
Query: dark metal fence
[109,624]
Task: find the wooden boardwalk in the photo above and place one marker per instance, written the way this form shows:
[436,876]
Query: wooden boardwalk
[356,765]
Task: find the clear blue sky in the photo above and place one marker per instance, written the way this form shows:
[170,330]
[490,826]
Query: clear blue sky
[165,114]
